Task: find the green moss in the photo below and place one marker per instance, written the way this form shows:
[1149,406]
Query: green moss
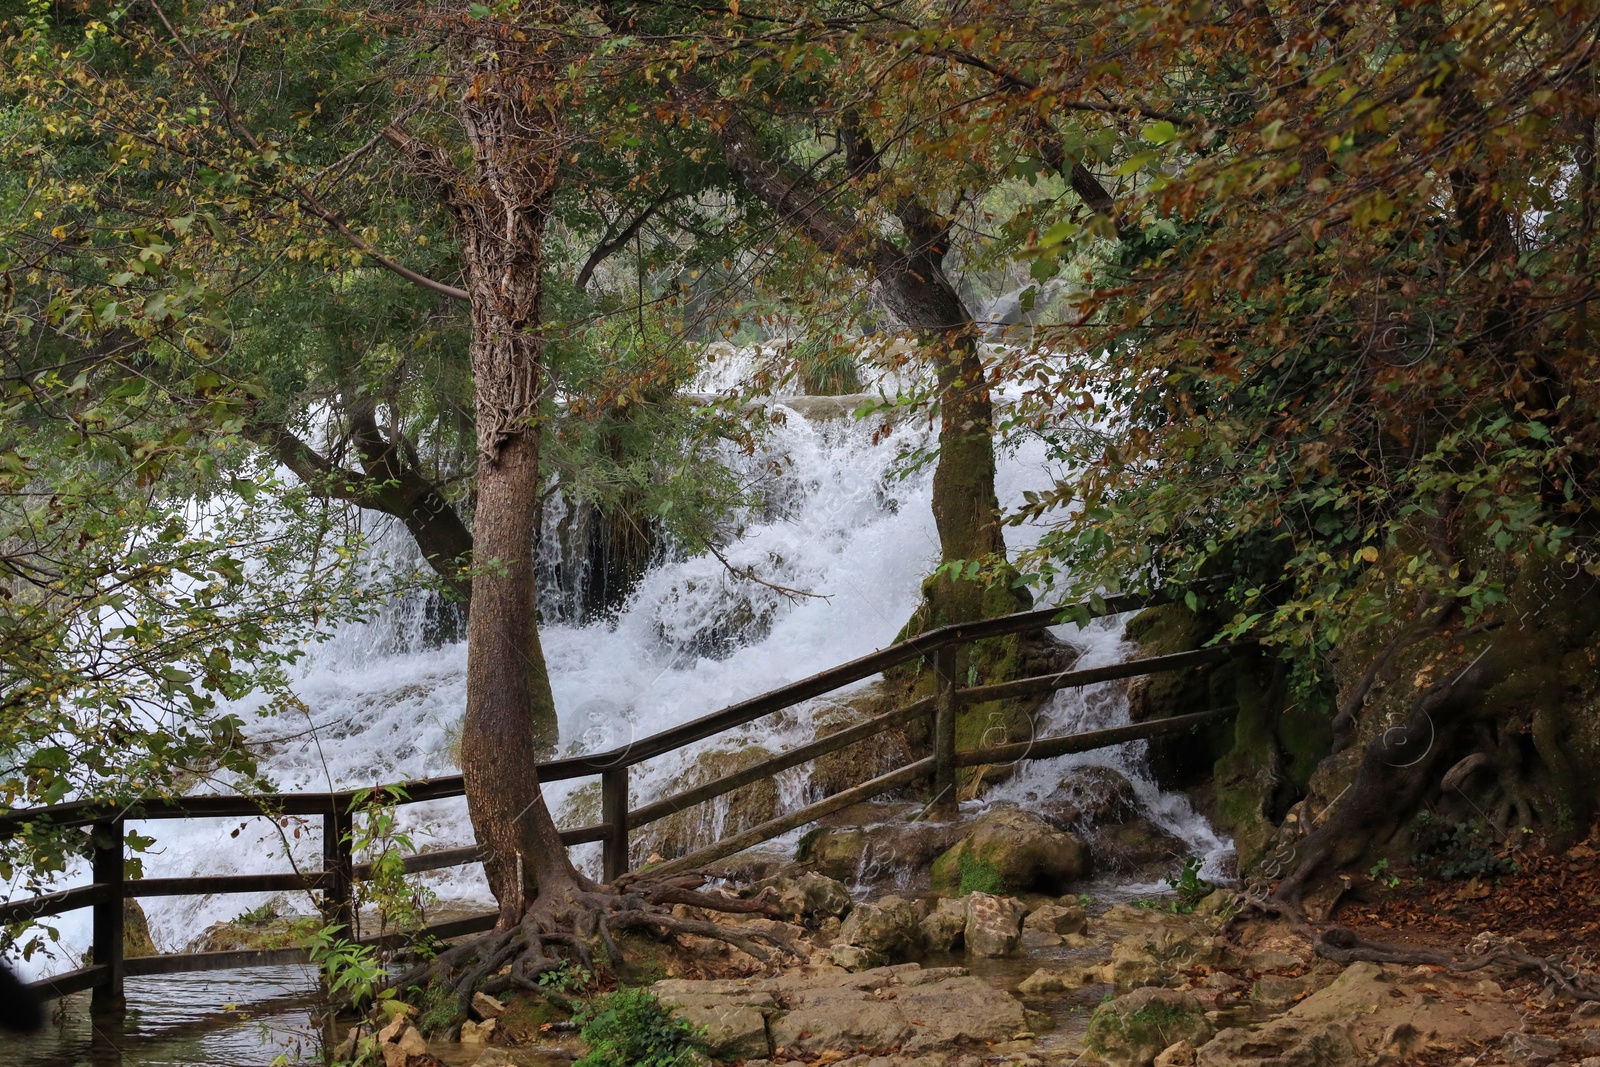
[978,875]
[1149,1026]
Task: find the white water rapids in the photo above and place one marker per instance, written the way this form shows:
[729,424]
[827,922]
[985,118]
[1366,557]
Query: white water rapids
[841,524]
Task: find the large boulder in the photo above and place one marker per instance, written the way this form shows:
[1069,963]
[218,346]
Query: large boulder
[994,925]
[1089,797]
[807,895]
[890,928]
[1013,851]
[1362,1010]
[918,1010]
[735,1024]
[1063,918]
[944,928]
[1131,1031]
[880,851]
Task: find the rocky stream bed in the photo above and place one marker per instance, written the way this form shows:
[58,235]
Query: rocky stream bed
[1028,980]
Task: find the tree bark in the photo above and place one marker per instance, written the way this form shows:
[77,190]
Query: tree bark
[911,282]
[501,206]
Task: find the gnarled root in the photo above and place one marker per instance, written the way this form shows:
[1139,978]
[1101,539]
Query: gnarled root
[1344,946]
[580,927]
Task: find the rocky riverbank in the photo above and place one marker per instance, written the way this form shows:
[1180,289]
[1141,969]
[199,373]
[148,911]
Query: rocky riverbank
[1033,980]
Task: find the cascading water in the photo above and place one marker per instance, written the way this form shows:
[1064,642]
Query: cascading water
[841,522]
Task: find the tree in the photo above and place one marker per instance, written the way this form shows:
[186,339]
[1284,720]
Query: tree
[1348,340]
[179,98]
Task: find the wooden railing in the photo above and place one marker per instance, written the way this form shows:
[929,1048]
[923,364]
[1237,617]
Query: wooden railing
[107,968]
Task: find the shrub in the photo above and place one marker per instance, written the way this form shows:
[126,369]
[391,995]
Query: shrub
[630,1028]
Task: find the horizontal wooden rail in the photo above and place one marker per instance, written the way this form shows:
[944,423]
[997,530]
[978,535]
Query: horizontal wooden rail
[1133,668]
[1049,747]
[784,823]
[66,900]
[783,761]
[69,982]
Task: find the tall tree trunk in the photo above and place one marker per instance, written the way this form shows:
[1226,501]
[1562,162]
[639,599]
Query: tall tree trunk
[511,122]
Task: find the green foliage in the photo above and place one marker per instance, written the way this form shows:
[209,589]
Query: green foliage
[1189,886]
[353,971]
[569,977]
[978,875]
[1379,873]
[630,1028]
[401,904]
[1457,850]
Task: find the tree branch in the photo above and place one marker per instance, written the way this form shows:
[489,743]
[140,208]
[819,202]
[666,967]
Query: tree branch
[611,246]
[307,198]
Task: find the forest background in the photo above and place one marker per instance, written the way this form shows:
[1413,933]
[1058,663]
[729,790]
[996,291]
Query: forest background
[1307,291]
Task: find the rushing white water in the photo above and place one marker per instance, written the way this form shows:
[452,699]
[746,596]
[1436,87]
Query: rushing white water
[841,523]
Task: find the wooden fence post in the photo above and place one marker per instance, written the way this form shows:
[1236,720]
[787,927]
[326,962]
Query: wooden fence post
[338,868]
[109,869]
[942,804]
[614,814]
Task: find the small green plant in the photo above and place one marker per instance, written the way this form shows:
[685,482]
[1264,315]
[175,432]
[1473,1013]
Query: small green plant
[1084,900]
[1379,873]
[351,969]
[1190,887]
[260,916]
[631,1028]
[400,905]
[979,876]
[567,978]
[1459,850]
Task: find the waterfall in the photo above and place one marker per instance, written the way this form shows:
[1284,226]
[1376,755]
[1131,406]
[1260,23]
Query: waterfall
[843,522]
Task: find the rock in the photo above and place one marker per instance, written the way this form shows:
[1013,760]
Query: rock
[1273,993]
[1133,1030]
[1177,1054]
[1529,1050]
[486,1006]
[136,939]
[878,853]
[1088,797]
[870,757]
[1057,919]
[1586,1014]
[1359,1010]
[1219,903]
[399,1041]
[855,958]
[1271,961]
[944,928]
[808,894]
[1022,850]
[476,1033]
[891,928]
[735,1025]
[701,824]
[1135,846]
[499,1057]
[1058,979]
[877,1010]
[1161,955]
[994,925]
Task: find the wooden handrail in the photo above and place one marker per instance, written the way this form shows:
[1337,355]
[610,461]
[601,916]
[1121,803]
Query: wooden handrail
[85,813]
[339,872]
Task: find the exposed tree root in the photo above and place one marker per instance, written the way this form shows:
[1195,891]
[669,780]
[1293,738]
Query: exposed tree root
[1344,946]
[582,927]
